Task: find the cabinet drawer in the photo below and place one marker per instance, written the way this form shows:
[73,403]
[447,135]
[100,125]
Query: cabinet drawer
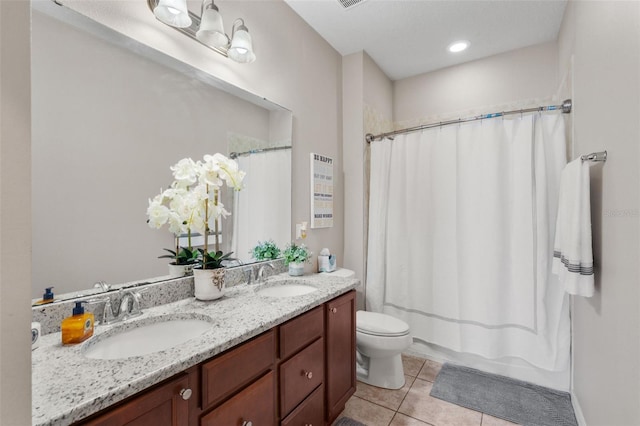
[301,375]
[233,370]
[310,412]
[301,331]
[255,404]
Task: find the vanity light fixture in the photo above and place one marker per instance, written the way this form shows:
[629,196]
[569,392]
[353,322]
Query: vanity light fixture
[207,28]
[173,12]
[458,46]
[241,49]
[211,30]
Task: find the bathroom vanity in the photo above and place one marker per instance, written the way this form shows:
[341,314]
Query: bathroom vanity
[265,361]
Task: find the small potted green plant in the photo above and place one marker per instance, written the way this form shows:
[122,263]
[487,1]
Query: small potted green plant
[184,259]
[267,250]
[295,256]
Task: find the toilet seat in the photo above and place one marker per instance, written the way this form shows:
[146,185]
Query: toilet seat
[377,324]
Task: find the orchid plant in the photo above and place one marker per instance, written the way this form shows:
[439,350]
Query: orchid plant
[192,201]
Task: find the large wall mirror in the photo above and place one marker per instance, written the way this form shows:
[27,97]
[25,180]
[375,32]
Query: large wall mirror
[110,116]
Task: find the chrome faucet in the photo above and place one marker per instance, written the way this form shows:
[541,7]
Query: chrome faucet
[260,274]
[129,308]
[132,298]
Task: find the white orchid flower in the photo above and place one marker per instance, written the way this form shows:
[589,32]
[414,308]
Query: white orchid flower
[158,214]
[185,172]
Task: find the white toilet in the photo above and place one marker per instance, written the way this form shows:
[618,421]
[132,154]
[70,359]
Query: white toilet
[380,340]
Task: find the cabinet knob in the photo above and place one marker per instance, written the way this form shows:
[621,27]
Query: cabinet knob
[308,374]
[247,423]
[333,310]
[185,393]
[308,424]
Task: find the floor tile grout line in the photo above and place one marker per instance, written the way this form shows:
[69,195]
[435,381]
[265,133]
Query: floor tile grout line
[375,403]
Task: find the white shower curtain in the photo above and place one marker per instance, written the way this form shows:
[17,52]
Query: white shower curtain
[262,210]
[461,225]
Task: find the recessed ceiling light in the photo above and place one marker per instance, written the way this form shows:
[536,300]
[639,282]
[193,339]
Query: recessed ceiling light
[458,46]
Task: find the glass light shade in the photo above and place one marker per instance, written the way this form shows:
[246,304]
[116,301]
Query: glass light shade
[241,49]
[173,12]
[211,31]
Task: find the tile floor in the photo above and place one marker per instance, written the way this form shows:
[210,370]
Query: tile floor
[412,405]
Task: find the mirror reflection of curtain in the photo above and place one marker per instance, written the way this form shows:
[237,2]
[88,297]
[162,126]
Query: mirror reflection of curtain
[262,210]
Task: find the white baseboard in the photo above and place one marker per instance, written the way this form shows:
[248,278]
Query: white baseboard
[577,410]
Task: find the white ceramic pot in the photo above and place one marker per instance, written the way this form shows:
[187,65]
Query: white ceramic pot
[296,269]
[180,270]
[209,283]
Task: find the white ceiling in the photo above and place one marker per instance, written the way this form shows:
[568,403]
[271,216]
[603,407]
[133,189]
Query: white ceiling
[410,37]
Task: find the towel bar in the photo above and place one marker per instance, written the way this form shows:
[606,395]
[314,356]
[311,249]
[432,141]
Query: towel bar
[595,156]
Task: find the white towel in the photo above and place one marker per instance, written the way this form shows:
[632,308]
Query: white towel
[572,252]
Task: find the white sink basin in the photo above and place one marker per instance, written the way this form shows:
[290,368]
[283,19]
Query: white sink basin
[287,290]
[146,338]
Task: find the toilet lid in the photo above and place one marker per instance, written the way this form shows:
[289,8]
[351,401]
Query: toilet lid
[380,324]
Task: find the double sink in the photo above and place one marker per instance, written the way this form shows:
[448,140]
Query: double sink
[154,334]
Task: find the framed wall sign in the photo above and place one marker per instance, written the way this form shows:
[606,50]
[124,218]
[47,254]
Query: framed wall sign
[321,191]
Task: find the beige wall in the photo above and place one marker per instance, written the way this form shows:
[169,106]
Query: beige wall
[15,217]
[524,74]
[352,152]
[367,104]
[603,38]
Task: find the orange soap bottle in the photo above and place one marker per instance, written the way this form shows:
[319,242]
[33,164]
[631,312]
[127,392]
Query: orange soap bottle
[78,327]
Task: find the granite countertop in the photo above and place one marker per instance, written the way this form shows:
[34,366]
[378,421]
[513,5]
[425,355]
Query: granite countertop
[67,386]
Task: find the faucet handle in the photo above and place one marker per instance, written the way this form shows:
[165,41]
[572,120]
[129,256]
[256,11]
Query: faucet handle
[107,314]
[108,317]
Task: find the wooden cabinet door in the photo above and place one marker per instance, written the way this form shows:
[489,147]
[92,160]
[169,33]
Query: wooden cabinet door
[161,406]
[340,338]
[255,405]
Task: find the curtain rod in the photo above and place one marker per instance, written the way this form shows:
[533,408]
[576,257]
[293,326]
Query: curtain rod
[565,107]
[235,155]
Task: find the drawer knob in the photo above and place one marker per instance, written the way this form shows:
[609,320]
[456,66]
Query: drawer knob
[308,374]
[333,310]
[247,423]
[186,393]
[308,424]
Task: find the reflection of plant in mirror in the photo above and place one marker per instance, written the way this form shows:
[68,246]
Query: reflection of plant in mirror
[212,260]
[193,199]
[184,256]
[266,250]
[296,254]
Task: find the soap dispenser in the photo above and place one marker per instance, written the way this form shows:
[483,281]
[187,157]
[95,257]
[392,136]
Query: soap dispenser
[47,297]
[78,327]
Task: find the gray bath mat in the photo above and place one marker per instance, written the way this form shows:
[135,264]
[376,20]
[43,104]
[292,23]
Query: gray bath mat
[509,399]
[346,421]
